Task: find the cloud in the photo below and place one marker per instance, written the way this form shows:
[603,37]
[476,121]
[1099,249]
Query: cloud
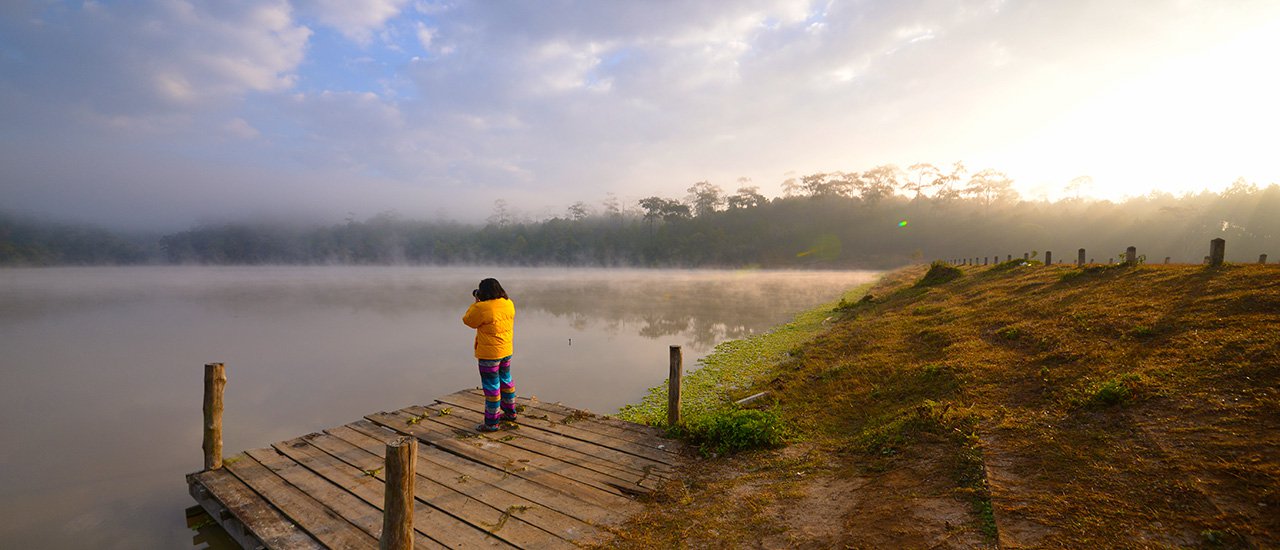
[154,56]
[358,20]
[428,105]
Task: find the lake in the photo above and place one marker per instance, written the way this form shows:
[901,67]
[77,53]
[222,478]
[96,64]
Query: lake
[101,369]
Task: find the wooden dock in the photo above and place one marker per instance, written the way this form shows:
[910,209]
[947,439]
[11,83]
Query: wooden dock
[559,480]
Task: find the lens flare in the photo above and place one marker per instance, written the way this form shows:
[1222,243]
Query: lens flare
[902,223]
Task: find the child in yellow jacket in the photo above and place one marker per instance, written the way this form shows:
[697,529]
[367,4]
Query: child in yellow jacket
[493,315]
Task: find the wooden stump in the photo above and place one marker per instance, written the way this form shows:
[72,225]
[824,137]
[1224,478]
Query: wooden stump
[397,499]
[215,381]
[1217,251]
[673,386]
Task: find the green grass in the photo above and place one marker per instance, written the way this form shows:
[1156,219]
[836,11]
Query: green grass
[732,367]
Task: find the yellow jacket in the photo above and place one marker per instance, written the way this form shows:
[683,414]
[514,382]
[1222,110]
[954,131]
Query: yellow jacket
[494,321]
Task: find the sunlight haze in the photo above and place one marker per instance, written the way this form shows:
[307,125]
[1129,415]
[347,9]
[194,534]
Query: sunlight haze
[161,114]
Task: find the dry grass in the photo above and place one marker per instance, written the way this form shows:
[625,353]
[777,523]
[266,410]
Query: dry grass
[1107,407]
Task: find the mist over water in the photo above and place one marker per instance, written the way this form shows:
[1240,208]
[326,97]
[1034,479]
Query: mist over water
[101,371]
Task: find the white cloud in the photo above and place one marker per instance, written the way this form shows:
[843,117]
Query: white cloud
[358,20]
[241,128]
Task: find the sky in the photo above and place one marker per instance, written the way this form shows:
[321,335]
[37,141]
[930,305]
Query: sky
[163,114]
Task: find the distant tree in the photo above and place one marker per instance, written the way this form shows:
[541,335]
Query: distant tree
[578,211]
[746,197]
[612,208]
[922,176]
[1077,184]
[946,184]
[990,187]
[823,185]
[501,216]
[1240,187]
[792,188]
[665,209]
[705,197]
[878,183]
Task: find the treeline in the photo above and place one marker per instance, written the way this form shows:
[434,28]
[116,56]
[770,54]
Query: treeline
[25,241]
[880,218]
[831,230]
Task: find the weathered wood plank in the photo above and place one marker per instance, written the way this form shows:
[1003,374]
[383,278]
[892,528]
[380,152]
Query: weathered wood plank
[604,425]
[427,521]
[623,467]
[317,519]
[648,455]
[598,472]
[360,513]
[506,524]
[560,501]
[255,515]
[536,514]
[482,450]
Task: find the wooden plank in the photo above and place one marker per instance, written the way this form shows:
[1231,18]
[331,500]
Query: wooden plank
[612,476]
[532,512]
[506,524]
[248,518]
[321,522]
[360,513]
[562,502]
[600,459]
[656,459]
[604,425]
[479,449]
[427,521]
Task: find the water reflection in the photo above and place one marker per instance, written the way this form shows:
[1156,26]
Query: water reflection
[100,378]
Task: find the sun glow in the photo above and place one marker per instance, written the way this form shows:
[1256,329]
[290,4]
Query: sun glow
[1191,123]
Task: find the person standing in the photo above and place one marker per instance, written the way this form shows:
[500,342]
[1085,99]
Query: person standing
[493,315]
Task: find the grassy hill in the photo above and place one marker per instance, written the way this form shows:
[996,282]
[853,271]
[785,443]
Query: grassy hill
[1033,406]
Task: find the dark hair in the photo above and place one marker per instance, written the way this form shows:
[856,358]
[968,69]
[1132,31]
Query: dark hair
[490,289]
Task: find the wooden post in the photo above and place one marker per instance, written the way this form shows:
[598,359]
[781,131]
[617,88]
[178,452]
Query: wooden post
[215,380]
[1080,258]
[1166,259]
[1262,259]
[1008,258]
[1217,251]
[397,498]
[1026,256]
[1131,255]
[673,386]
[1048,258]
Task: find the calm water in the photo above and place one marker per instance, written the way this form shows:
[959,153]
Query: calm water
[101,368]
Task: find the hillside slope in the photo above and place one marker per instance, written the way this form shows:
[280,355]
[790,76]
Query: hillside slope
[1032,406]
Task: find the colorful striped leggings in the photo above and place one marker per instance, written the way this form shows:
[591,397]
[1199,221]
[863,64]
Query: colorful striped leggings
[495,374]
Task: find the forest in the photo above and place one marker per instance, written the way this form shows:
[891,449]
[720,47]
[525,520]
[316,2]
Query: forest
[880,218]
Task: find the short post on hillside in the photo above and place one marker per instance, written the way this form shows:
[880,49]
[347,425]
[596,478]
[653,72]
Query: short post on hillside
[1048,258]
[1217,251]
[1131,255]
[215,381]
[1262,259]
[397,499]
[1080,258]
[673,386]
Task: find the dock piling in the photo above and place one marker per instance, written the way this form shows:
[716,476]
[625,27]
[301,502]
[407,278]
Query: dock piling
[215,381]
[397,500]
[673,386]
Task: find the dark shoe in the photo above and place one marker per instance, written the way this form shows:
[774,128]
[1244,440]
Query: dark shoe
[485,428]
[509,417]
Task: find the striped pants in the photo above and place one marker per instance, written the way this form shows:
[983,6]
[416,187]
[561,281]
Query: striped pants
[495,375]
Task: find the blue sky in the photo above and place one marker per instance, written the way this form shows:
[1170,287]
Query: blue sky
[167,113]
